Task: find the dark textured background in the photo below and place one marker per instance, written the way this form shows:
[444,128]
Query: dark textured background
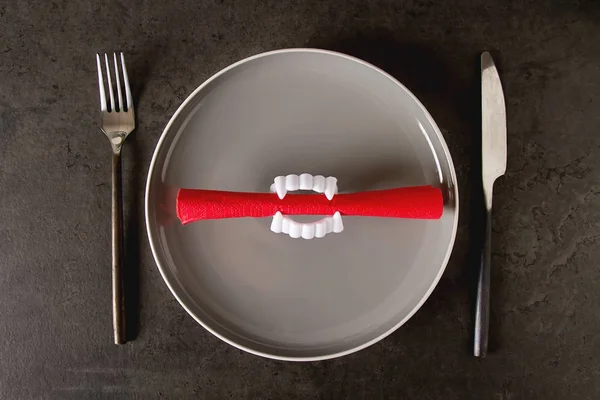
[55,319]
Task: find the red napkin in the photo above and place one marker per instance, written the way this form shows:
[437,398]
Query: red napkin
[420,202]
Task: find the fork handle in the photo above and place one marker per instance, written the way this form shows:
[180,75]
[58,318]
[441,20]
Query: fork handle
[117,251]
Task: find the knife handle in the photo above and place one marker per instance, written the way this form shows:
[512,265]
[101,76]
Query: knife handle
[482,305]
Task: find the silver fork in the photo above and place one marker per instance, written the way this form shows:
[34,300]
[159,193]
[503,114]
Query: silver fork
[117,123]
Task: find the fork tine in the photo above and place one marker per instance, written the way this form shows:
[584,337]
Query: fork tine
[110,88]
[101,85]
[126,82]
[117,74]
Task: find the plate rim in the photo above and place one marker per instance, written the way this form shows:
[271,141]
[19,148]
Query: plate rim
[154,246]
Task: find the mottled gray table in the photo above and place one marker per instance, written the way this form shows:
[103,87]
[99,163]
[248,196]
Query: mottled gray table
[55,313]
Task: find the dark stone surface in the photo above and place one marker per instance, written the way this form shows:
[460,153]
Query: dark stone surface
[55,313]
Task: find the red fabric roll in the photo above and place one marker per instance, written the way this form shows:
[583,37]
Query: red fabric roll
[420,202]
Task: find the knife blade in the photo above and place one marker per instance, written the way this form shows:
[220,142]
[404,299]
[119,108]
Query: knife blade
[493,165]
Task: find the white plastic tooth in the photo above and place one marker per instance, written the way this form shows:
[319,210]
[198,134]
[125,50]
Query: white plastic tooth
[330,187]
[320,229]
[306,182]
[338,225]
[318,183]
[308,231]
[277,223]
[295,229]
[280,186]
[285,226]
[329,225]
[292,182]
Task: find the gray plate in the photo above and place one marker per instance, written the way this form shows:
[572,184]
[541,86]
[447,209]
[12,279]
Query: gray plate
[295,111]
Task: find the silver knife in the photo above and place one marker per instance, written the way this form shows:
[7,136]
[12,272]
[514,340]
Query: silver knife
[493,164]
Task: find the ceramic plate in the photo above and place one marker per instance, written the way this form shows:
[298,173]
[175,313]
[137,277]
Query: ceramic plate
[297,111]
